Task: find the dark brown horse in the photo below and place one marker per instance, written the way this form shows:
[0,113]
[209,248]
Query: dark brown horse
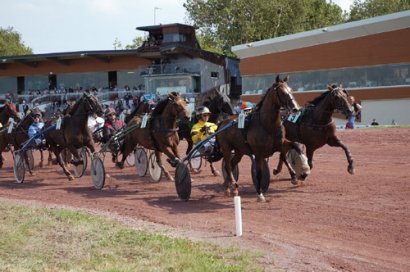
[74,132]
[263,135]
[160,134]
[315,126]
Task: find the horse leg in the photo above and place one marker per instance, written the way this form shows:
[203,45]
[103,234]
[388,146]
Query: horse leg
[190,145]
[309,155]
[228,178]
[215,172]
[165,171]
[293,178]
[234,161]
[40,164]
[50,158]
[57,153]
[258,163]
[279,166]
[337,143]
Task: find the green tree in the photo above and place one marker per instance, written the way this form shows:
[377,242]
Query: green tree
[225,23]
[11,43]
[136,42]
[371,8]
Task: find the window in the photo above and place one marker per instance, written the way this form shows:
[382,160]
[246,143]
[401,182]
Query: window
[215,74]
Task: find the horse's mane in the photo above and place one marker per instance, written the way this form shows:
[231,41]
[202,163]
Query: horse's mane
[210,95]
[76,106]
[318,99]
[159,108]
[259,105]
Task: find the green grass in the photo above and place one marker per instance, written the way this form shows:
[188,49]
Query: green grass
[40,239]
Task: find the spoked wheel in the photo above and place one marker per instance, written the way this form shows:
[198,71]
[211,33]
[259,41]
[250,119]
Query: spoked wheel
[141,161]
[183,181]
[154,170]
[195,162]
[30,159]
[97,173]
[235,171]
[19,167]
[130,159]
[265,180]
[79,169]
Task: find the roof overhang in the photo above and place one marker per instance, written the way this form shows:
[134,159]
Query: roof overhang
[375,25]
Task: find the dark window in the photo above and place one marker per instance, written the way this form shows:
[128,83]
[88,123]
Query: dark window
[215,74]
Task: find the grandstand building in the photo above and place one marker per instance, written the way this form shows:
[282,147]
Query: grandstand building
[169,60]
[371,58]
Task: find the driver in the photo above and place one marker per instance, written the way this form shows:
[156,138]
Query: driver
[36,127]
[201,130]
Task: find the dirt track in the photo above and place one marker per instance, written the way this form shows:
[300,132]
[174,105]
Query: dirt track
[337,222]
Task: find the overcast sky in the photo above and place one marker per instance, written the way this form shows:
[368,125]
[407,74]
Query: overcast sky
[49,26]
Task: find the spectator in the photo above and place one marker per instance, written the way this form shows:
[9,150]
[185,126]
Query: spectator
[357,108]
[374,122]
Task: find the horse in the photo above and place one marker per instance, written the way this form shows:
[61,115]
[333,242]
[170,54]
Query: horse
[74,132]
[6,112]
[263,135]
[315,126]
[160,134]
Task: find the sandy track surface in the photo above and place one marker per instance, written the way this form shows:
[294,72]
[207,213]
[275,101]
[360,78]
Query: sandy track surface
[335,222]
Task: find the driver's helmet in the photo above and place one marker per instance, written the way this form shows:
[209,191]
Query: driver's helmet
[246,106]
[202,110]
[109,111]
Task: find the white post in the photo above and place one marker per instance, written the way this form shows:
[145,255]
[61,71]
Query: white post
[238,215]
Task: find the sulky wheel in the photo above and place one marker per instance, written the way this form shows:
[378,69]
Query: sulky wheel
[130,159]
[97,173]
[141,161]
[19,167]
[154,170]
[265,180]
[235,171]
[195,162]
[79,169]
[183,181]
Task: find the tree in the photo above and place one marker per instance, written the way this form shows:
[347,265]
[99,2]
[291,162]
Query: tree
[136,42]
[371,8]
[230,22]
[11,43]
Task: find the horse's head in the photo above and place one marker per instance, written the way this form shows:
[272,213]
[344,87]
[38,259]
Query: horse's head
[339,99]
[177,106]
[10,111]
[284,94]
[298,161]
[91,104]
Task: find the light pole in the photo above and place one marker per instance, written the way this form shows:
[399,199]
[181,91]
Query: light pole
[155,13]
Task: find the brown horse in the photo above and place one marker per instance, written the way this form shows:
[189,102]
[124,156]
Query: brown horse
[263,135]
[74,132]
[160,134]
[6,112]
[315,127]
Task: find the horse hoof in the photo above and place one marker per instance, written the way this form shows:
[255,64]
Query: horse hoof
[227,192]
[235,192]
[261,198]
[70,178]
[275,171]
[294,181]
[120,165]
[350,170]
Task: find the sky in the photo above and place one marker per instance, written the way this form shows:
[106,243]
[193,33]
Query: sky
[51,26]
